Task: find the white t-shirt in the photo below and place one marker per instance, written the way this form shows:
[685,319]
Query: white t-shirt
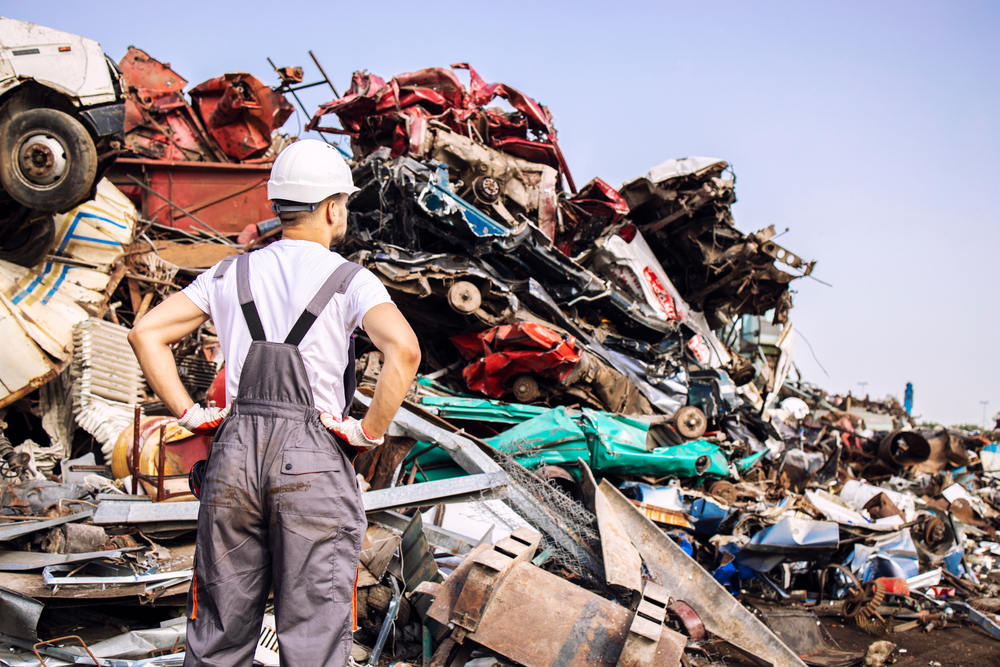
[284,277]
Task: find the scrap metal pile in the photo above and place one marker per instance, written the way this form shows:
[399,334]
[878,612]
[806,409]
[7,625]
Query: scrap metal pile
[608,456]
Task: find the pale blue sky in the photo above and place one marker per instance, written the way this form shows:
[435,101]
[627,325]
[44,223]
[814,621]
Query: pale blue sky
[870,129]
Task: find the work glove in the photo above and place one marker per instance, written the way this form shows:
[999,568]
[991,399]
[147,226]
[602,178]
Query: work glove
[202,421]
[351,431]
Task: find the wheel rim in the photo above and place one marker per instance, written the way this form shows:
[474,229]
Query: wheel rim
[42,160]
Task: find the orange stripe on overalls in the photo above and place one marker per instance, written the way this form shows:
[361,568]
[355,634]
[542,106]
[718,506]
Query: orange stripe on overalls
[354,601]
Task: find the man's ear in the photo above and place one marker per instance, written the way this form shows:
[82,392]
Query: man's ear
[331,211]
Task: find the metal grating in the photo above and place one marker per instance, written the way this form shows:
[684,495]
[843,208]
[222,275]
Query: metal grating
[107,380]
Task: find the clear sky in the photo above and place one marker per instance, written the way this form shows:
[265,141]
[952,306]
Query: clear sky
[868,129]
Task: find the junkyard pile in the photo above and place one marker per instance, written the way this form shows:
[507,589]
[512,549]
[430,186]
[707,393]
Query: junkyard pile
[608,440]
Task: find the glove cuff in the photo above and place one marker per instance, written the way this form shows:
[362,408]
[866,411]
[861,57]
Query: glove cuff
[364,434]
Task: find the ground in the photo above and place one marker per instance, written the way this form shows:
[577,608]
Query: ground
[957,645]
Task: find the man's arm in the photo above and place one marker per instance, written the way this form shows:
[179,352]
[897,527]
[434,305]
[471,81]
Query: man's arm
[392,335]
[150,338]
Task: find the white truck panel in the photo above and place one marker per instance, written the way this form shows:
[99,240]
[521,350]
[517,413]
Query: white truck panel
[30,51]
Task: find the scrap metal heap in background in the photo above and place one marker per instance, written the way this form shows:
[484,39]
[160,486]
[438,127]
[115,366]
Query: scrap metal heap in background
[614,458]
[230,118]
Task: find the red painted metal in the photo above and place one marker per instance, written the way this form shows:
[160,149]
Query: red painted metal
[593,209]
[895,586]
[240,112]
[226,196]
[231,117]
[502,352]
[379,113]
[159,123]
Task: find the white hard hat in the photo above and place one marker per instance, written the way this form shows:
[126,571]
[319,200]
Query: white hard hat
[308,172]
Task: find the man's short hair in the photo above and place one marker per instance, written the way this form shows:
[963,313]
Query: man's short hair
[292,218]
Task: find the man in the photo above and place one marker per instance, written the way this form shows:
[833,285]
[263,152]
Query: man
[280,504]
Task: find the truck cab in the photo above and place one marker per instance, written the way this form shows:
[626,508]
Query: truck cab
[62,115]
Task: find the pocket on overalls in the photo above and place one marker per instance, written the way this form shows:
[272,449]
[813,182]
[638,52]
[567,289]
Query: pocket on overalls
[226,465]
[346,550]
[306,484]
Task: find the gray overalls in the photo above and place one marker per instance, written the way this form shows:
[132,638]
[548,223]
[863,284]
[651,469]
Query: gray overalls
[280,506]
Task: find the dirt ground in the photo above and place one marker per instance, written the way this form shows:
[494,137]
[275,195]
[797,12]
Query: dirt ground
[957,645]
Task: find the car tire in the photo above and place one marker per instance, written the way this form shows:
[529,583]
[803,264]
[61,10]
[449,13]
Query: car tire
[48,161]
[27,237]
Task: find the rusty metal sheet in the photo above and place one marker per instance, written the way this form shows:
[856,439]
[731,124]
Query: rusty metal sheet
[640,651]
[622,563]
[683,578]
[648,642]
[689,619]
[193,256]
[489,569]
[538,619]
[228,197]
[447,594]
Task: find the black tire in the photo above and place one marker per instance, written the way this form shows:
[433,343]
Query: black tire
[27,237]
[42,138]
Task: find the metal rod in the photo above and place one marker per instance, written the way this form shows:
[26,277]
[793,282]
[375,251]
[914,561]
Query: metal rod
[303,86]
[321,71]
[390,618]
[292,91]
[175,230]
[181,209]
[428,646]
[135,453]
[147,279]
[62,639]
[161,464]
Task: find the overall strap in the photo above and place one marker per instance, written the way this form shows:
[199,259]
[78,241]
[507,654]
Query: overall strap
[337,283]
[246,298]
[223,266]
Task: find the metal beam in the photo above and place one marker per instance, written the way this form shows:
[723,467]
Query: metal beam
[31,526]
[458,489]
[13,561]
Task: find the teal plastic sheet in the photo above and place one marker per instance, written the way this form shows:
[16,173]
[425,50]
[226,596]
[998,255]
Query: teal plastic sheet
[480,409]
[609,443]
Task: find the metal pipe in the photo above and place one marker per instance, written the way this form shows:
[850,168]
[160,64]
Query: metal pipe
[323,72]
[584,297]
[390,618]
[162,462]
[428,646]
[181,209]
[134,464]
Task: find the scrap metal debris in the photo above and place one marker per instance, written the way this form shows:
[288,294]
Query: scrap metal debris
[608,457]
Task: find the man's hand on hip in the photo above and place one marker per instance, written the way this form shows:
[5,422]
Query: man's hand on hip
[351,431]
[202,421]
